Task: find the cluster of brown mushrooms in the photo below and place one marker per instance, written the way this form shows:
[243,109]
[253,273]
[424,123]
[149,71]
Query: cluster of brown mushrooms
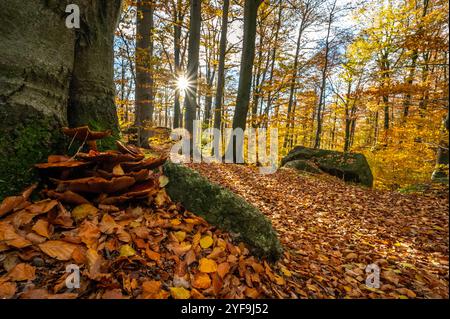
[105,178]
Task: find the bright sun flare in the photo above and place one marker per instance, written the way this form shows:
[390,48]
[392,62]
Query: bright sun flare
[182,83]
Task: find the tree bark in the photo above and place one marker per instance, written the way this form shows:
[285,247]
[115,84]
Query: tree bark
[272,65]
[91,99]
[144,75]
[245,74]
[221,71]
[177,122]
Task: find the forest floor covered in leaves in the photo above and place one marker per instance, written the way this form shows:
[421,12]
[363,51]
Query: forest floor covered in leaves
[331,231]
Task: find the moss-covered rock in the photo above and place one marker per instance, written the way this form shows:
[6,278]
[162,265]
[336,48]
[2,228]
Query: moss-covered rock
[302,165]
[223,209]
[351,167]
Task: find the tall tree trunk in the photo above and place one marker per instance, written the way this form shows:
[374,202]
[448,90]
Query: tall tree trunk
[347,118]
[51,76]
[292,86]
[177,120]
[245,74]
[221,71]
[144,74]
[257,82]
[272,64]
[409,81]
[324,79]
[190,101]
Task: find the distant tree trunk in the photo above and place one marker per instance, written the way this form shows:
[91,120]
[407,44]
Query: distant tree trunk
[272,64]
[190,101]
[122,91]
[144,65]
[210,74]
[321,105]
[177,57]
[347,119]
[292,86]
[257,82]
[375,129]
[221,71]
[409,81]
[52,76]
[245,74]
[442,159]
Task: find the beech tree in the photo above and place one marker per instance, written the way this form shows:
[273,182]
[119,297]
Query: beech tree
[67,81]
[144,103]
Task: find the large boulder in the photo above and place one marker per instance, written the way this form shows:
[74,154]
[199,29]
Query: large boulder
[351,167]
[303,165]
[224,209]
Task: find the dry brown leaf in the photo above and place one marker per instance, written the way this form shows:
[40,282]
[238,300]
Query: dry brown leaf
[89,233]
[22,272]
[223,269]
[58,249]
[201,281]
[180,293]
[82,211]
[152,254]
[107,224]
[42,228]
[9,236]
[207,265]
[7,290]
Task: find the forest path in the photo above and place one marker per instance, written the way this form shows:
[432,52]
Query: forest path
[332,230]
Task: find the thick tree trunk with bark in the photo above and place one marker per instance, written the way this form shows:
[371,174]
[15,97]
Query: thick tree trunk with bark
[245,74]
[51,76]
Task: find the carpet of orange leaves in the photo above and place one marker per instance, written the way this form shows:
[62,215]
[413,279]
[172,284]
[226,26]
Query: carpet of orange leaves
[331,231]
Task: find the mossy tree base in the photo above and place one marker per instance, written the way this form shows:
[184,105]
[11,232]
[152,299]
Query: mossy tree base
[223,209]
[52,76]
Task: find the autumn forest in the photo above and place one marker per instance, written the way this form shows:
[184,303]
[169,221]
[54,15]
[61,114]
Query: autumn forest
[369,76]
[224,149]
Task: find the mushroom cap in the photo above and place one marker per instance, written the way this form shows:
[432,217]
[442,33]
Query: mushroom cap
[83,133]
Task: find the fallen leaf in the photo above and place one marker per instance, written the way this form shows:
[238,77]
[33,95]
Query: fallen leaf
[42,228]
[152,254]
[201,281]
[179,293]
[127,251]
[58,249]
[7,289]
[10,237]
[89,233]
[180,235]
[223,269]
[206,242]
[107,224]
[82,211]
[163,181]
[22,272]
[207,265]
